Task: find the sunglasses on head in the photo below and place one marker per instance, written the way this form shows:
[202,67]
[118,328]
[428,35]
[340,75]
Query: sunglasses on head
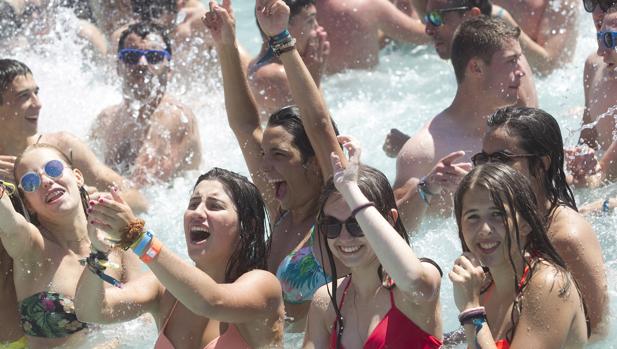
[332,227]
[501,156]
[132,56]
[609,39]
[590,5]
[435,17]
[31,181]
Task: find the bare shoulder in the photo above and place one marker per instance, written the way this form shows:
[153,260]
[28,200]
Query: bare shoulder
[550,289]
[322,302]
[107,116]
[592,65]
[569,227]
[175,115]
[416,157]
[264,281]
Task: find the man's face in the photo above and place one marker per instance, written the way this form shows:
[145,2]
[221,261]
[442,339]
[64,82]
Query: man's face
[20,104]
[144,80]
[442,35]
[504,73]
[303,27]
[609,24]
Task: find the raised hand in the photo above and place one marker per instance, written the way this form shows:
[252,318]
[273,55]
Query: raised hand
[467,277]
[316,53]
[7,164]
[446,175]
[221,22]
[272,15]
[111,215]
[344,177]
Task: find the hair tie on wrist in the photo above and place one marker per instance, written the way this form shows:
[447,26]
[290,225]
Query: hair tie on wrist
[361,207]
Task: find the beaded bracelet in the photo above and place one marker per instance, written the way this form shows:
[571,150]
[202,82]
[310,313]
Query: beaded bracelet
[132,232]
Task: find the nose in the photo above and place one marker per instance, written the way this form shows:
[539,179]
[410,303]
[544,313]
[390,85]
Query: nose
[142,60]
[485,229]
[36,101]
[46,181]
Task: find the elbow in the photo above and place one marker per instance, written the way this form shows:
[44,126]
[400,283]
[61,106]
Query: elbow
[422,289]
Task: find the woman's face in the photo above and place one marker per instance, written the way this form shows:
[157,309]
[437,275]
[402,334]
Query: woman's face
[56,195]
[497,139]
[484,231]
[351,251]
[295,183]
[211,225]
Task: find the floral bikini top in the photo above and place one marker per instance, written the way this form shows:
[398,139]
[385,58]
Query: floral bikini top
[49,315]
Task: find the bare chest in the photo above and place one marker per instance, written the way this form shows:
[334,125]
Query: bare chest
[603,106]
[188,330]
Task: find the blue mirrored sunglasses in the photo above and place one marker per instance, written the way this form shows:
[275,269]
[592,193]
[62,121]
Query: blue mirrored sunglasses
[31,181]
[435,17]
[132,56]
[609,39]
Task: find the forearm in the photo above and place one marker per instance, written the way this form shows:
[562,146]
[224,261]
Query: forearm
[539,58]
[482,339]
[396,256]
[608,163]
[410,205]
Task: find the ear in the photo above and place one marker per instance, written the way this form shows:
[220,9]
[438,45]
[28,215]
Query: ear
[475,67]
[79,177]
[393,216]
[546,162]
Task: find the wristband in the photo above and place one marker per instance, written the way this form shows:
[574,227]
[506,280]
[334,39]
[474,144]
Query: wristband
[469,315]
[606,207]
[143,243]
[424,192]
[280,36]
[153,251]
[361,207]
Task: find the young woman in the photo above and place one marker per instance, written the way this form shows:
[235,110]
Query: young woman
[46,251]
[224,301]
[532,301]
[288,160]
[391,297]
[529,140]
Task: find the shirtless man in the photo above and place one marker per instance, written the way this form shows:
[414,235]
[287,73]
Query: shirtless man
[489,76]
[353,31]
[267,78]
[148,136]
[19,113]
[445,16]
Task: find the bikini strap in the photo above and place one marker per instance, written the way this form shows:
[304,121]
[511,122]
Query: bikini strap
[312,238]
[392,303]
[173,307]
[345,292]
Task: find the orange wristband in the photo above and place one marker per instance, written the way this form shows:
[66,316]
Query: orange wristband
[153,250]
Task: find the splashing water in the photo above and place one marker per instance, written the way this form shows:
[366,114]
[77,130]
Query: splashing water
[409,87]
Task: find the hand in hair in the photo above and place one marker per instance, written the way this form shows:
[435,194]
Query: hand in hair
[467,277]
[111,215]
[345,177]
[221,22]
[272,15]
[7,164]
[446,175]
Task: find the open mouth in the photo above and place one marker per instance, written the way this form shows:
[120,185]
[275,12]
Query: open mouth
[349,249]
[199,235]
[54,195]
[488,247]
[280,189]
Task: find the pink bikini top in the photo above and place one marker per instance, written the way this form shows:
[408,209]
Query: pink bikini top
[231,339]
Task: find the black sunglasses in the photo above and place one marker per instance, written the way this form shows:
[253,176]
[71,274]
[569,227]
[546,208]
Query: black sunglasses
[501,156]
[590,5]
[332,227]
[132,56]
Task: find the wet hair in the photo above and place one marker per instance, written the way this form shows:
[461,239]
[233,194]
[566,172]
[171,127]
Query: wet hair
[143,29]
[253,247]
[479,37]
[485,6]
[538,133]
[10,23]
[295,7]
[376,187]
[289,119]
[9,70]
[148,10]
[85,198]
[511,193]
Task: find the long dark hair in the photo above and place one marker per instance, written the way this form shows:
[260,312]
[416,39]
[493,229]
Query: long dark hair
[375,186]
[252,250]
[538,133]
[85,198]
[511,193]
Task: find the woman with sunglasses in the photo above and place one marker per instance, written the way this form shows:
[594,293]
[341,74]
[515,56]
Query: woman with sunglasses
[287,160]
[46,250]
[529,140]
[532,301]
[225,301]
[391,297]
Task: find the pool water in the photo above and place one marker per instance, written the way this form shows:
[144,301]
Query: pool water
[409,87]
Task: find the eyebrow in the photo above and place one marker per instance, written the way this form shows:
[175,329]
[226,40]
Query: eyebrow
[473,210]
[25,90]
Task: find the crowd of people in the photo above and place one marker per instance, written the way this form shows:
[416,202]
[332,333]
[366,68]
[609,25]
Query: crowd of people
[316,242]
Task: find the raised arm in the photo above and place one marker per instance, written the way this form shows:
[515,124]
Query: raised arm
[398,25]
[419,280]
[22,240]
[242,113]
[273,17]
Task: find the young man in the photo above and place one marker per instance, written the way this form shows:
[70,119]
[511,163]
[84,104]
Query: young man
[19,113]
[442,18]
[353,31]
[267,78]
[148,136]
[486,56]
